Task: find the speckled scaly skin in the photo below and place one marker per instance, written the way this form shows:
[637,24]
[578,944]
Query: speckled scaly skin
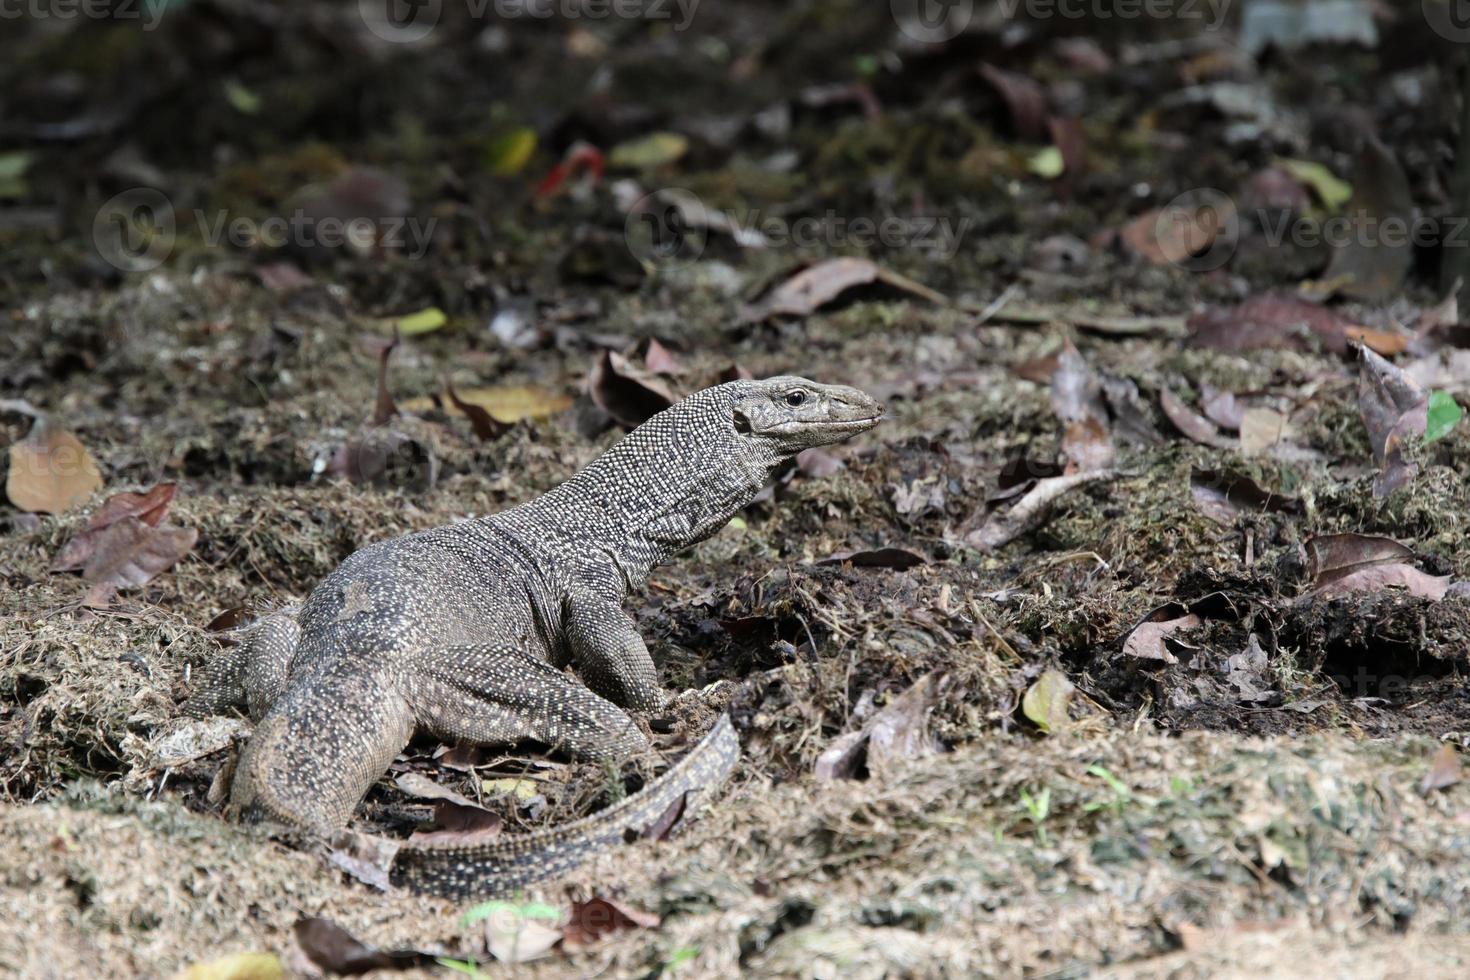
[465,632]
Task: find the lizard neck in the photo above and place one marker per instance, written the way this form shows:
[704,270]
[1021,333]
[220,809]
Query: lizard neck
[670,483]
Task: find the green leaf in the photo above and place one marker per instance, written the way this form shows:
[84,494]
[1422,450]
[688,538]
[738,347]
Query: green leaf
[1114,783]
[243,99]
[13,167]
[468,967]
[1046,701]
[521,910]
[681,955]
[423,321]
[1047,163]
[1332,191]
[1444,415]
[648,152]
[508,153]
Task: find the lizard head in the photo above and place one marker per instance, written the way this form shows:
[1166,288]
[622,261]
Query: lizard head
[792,414]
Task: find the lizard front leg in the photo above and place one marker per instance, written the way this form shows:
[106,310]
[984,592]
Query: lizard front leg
[253,673]
[493,694]
[610,654]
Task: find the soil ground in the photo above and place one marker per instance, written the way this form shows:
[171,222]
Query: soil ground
[1209,816]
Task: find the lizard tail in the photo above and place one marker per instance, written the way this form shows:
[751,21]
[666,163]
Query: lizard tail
[503,866]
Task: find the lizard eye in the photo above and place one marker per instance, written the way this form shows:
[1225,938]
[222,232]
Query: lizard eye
[796,398]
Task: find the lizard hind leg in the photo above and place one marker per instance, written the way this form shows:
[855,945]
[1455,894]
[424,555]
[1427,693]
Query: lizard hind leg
[320,747]
[498,695]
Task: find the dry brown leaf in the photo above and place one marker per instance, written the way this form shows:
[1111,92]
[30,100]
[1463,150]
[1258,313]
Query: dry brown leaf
[1393,576]
[1191,423]
[1395,411]
[1334,556]
[1261,430]
[336,950]
[457,824]
[1444,769]
[50,471]
[505,403]
[897,558]
[821,283]
[1270,320]
[659,359]
[630,396]
[130,553]
[596,918]
[366,857]
[1025,100]
[1003,526]
[1146,641]
[1221,408]
[486,426]
[149,507]
[897,732]
[1077,398]
[1223,496]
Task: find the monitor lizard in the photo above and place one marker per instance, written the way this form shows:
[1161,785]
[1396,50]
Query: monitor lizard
[465,631]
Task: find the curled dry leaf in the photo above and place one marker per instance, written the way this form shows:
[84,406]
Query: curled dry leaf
[236,966]
[50,470]
[1395,411]
[383,407]
[366,857]
[148,507]
[1223,495]
[1147,640]
[505,404]
[1444,769]
[1221,407]
[486,426]
[1025,100]
[630,396]
[896,558]
[822,282]
[659,359]
[1046,701]
[1344,563]
[1003,526]
[899,731]
[1191,423]
[459,824]
[599,917]
[661,828]
[1077,398]
[335,950]
[1270,320]
[130,553]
